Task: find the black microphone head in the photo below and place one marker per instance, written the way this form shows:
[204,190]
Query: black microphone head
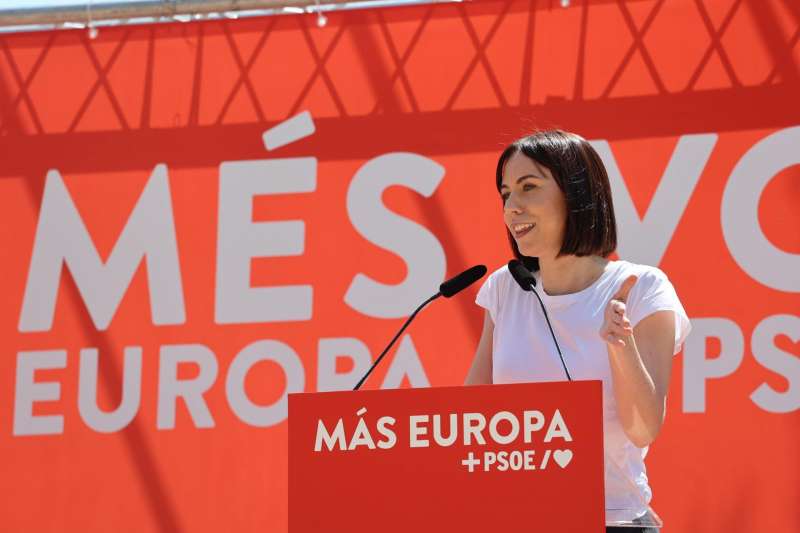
[456,284]
[521,275]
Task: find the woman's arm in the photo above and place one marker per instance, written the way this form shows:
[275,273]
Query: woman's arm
[640,371]
[641,364]
[481,371]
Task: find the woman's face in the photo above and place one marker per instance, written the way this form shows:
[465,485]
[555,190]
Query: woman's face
[534,208]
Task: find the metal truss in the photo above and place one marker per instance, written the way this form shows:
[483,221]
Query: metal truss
[397,107]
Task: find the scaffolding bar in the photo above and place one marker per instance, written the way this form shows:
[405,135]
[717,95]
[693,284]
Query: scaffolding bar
[91,12]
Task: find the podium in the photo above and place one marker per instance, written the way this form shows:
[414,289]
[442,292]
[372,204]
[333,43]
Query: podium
[520,457]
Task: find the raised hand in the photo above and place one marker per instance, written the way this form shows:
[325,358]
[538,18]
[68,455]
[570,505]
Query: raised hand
[616,326]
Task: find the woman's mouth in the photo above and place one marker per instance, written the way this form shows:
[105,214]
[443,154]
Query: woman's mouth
[521,229]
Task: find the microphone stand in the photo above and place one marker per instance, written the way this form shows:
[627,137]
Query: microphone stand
[527,282]
[378,360]
[552,333]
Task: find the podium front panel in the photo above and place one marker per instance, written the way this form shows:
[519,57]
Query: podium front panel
[521,457]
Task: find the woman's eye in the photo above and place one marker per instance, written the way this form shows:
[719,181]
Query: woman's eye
[528,186]
[504,197]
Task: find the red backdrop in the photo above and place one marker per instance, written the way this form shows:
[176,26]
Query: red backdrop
[693,106]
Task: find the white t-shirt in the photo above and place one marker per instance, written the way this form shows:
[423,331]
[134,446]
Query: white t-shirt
[523,351]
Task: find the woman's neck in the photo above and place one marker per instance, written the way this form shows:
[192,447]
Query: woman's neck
[570,273]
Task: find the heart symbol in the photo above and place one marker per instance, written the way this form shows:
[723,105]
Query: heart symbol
[562,457]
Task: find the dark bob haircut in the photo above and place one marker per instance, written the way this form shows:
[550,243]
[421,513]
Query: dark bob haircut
[591,228]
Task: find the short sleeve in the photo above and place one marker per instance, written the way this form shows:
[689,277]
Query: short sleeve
[489,295]
[654,292]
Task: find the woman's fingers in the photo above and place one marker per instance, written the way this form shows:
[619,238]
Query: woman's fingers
[620,320]
[615,333]
[627,285]
[620,331]
[617,327]
[615,340]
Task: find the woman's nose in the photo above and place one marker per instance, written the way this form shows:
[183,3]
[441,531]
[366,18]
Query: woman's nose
[511,206]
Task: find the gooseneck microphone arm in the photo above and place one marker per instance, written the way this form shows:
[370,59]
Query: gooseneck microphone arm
[527,282]
[558,348]
[448,289]
[386,350]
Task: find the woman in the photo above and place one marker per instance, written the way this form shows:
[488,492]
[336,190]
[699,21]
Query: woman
[615,321]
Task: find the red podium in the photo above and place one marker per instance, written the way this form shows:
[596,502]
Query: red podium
[522,457]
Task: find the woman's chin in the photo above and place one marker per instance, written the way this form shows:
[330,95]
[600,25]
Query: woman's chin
[528,251]
[531,250]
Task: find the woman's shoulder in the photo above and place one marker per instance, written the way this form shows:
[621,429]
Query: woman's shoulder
[494,290]
[645,273]
[652,292]
[498,279]
[650,281]
[501,272]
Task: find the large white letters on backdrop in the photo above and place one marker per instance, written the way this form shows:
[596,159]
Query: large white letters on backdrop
[63,239]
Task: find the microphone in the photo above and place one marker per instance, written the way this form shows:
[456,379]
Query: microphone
[448,289]
[522,275]
[527,282]
[454,285]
